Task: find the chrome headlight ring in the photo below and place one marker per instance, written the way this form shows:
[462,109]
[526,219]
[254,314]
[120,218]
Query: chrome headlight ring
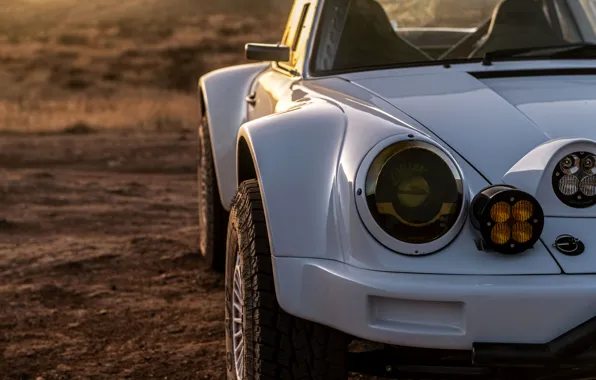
[370,168]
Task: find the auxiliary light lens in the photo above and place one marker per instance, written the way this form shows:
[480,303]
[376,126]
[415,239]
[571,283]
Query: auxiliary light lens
[500,212]
[522,211]
[569,185]
[522,232]
[500,234]
[510,220]
[588,186]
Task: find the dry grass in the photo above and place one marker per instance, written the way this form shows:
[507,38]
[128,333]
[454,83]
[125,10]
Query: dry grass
[126,64]
[135,63]
[25,18]
[145,111]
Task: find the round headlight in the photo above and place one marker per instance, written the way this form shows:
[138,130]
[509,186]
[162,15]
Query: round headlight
[414,193]
[510,220]
[574,180]
[568,184]
[588,186]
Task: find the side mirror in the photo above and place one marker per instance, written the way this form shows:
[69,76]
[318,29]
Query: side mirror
[267,52]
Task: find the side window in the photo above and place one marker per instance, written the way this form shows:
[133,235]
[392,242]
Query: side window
[297,33]
[437,13]
[583,12]
[565,21]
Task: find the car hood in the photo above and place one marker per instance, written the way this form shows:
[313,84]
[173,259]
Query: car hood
[493,121]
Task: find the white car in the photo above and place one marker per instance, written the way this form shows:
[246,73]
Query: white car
[415,174]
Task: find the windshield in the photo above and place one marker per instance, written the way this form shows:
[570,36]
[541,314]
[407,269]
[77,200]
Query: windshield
[364,34]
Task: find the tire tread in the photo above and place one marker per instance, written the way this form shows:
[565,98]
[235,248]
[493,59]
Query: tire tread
[283,346]
[212,235]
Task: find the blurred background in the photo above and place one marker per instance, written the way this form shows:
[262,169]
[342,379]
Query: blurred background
[99,272]
[119,63]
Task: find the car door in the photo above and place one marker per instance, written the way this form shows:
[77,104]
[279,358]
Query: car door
[276,82]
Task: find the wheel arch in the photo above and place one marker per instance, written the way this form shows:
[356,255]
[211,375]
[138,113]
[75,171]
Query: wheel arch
[294,156]
[246,168]
[222,97]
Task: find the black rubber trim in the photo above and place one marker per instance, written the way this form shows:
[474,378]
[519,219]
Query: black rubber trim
[532,73]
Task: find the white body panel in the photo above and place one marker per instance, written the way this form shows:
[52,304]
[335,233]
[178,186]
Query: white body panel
[441,100]
[561,106]
[328,268]
[583,229]
[305,142]
[493,123]
[224,94]
[312,211]
[434,311]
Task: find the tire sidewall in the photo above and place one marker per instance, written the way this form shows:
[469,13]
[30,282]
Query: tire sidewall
[205,196]
[276,344]
[232,252]
[237,248]
[212,217]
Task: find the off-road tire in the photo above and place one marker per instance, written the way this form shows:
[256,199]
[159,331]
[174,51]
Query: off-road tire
[277,346]
[213,218]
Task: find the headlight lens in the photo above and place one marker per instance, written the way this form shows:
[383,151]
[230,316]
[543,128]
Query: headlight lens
[574,179]
[414,192]
[569,185]
[500,234]
[523,210]
[588,186]
[500,212]
[522,232]
[510,220]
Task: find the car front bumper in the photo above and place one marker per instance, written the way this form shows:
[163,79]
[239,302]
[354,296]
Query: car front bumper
[434,311]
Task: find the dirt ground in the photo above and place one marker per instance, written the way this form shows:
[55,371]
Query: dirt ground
[99,276]
[99,272]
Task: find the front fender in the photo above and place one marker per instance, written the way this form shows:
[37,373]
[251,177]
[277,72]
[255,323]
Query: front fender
[306,160]
[224,94]
[295,154]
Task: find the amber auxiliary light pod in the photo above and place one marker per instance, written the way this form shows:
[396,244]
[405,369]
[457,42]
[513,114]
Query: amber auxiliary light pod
[510,220]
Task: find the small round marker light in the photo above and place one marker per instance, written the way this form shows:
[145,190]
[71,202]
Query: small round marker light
[510,220]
